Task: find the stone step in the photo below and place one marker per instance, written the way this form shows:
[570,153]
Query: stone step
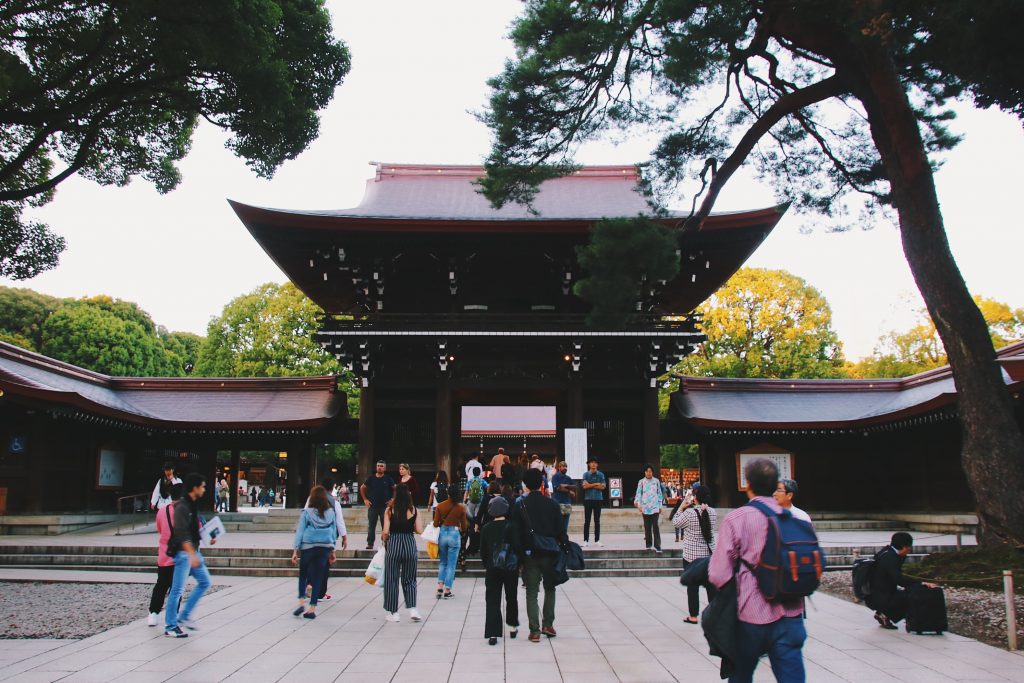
[422,571]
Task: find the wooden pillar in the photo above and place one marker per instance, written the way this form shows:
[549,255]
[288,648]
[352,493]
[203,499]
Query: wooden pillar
[39,453]
[366,432]
[300,474]
[652,440]
[236,465]
[207,466]
[443,426]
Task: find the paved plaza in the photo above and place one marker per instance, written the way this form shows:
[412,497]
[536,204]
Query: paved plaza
[617,629]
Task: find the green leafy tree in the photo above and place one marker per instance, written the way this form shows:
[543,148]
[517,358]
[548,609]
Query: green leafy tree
[106,335]
[623,253]
[113,90]
[900,354]
[680,456]
[766,323]
[181,349]
[268,333]
[826,99]
[22,314]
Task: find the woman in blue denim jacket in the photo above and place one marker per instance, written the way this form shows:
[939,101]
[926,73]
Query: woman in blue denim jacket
[315,537]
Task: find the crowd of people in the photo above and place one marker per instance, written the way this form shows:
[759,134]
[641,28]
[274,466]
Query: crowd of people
[516,516]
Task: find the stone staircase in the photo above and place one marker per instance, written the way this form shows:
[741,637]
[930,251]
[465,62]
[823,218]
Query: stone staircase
[276,562]
[271,562]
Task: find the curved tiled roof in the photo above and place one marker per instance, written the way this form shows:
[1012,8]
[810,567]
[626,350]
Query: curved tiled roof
[171,402]
[721,402]
[450,193]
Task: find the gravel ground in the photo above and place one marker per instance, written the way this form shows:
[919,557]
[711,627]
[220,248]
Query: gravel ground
[972,612]
[70,610]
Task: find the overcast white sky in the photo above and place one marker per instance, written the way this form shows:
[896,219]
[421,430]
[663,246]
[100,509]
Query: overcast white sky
[418,70]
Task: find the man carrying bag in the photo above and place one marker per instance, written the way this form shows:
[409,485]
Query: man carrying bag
[539,534]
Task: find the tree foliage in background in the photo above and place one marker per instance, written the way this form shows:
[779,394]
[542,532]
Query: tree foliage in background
[826,99]
[113,90]
[22,314]
[268,333]
[98,333]
[106,335]
[900,354]
[680,455]
[766,323]
[621,255]
[181,348]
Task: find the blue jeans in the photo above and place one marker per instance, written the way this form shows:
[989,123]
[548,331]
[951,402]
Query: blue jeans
[448,546]
[182,570]
[314,566]
[782,641]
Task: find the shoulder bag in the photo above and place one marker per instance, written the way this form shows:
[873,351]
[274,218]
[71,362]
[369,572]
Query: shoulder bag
[542,545]
[503,557]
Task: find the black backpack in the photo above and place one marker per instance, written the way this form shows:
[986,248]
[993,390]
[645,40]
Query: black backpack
[861,574]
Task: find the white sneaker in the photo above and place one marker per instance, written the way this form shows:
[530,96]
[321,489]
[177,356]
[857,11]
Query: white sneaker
[151,619]
[393,616]
[585,543]
[414,614]
[599,544]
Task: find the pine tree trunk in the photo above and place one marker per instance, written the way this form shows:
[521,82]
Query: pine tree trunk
[993,446]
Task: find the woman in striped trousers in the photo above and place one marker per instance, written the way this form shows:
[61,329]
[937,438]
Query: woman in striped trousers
[401,522]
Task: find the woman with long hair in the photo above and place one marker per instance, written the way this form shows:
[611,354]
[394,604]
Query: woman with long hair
[405,477]
[440,484]
[698,541]
[315,536]
[401,521]
[164,562]
[450,518]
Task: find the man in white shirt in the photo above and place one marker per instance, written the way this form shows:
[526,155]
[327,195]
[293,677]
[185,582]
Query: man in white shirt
[158,500]
[473,462]
[784,492]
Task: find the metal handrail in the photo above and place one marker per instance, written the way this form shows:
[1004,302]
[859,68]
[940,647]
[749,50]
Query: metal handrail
[133,510]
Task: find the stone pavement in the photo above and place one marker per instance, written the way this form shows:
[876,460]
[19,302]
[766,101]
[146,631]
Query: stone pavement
[615,629]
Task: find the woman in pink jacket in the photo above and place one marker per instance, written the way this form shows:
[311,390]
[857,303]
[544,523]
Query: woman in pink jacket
[164,563]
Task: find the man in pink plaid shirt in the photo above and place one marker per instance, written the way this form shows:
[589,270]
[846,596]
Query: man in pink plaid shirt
[772,627]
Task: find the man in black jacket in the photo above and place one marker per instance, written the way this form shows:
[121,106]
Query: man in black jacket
[184,543]
[888,595]
[537,515]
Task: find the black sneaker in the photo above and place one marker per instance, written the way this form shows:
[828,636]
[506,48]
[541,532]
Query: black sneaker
[175,632]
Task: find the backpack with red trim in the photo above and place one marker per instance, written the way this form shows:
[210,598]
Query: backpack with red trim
[792,560]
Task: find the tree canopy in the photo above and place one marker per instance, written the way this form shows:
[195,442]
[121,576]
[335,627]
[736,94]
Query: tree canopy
[620,256]
[99,333]
[114,90]
[766,323]
[829,100]
[22,314]
[900,354]
[269,333]
[106,335]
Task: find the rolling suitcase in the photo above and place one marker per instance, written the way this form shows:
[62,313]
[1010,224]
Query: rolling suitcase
[926,610]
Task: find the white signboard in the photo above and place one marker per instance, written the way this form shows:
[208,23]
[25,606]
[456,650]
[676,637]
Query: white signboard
[110,469]
[784,461]
[576,452]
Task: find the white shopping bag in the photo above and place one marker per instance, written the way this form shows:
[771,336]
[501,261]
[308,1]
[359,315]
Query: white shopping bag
[376,568]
